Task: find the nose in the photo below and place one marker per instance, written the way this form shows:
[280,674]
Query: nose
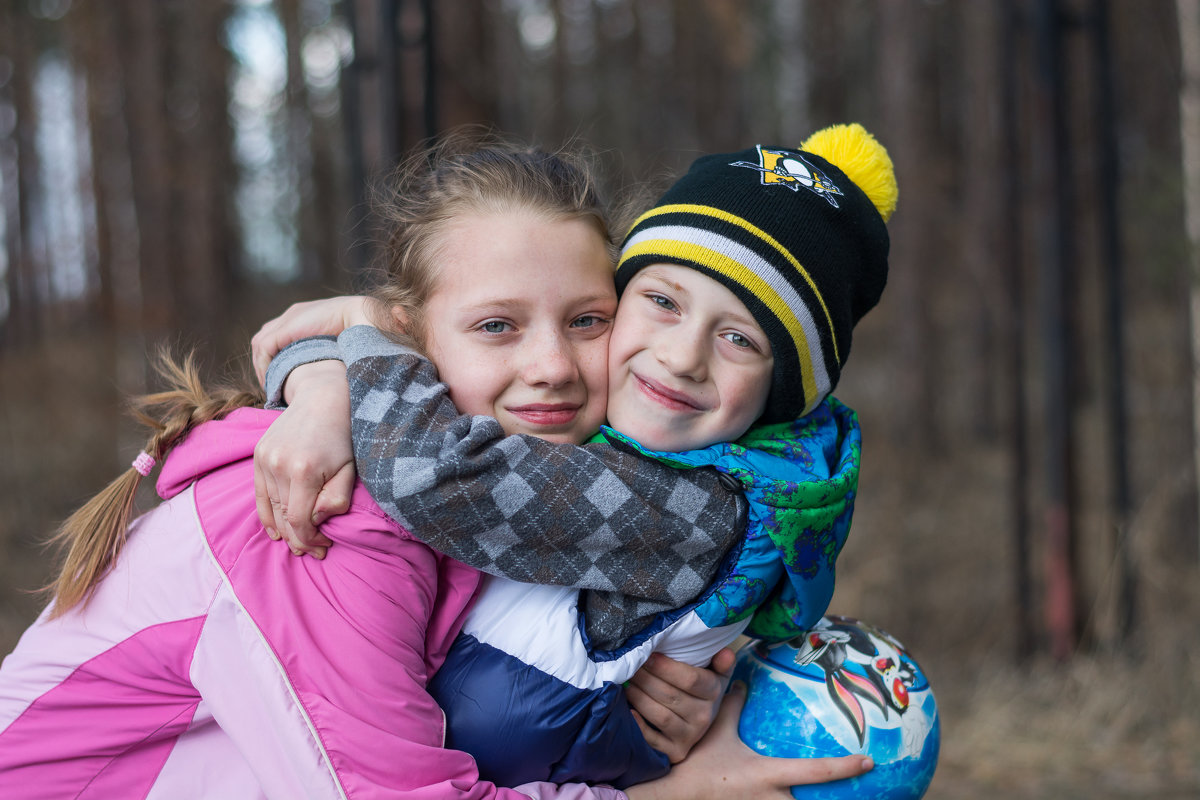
[549,360]
[683,350]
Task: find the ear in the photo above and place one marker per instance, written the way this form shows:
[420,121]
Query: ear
[400,318]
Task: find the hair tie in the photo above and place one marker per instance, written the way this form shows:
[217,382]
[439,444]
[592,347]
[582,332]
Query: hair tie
[143,463]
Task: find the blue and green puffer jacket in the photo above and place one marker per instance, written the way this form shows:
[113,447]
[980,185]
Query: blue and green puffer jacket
[525,692]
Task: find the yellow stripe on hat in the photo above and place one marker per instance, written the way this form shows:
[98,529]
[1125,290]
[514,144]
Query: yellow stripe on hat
[725,216]
[695,245]
[813,375]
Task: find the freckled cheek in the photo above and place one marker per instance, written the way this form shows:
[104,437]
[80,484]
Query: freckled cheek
[593,369]
[477,384]
[621,347]
[593,358]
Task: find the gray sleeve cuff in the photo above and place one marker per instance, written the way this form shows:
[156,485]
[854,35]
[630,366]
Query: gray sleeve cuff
[297,354]
[364,341]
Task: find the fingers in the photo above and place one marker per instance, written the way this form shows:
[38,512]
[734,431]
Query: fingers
[297,507]
[275,334]
[796,771]
[723,663]
[299,531]
[657,699]
[285,496]
[310,318]
[652,736]
[269,496]
[722,766]
[262,501]
[731,707]
[304,463]
[678,680]
[677,700]
[334,497]
[663,729]
[783,772]
[264,345]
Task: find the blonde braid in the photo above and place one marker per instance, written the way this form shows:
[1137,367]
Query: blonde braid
[92,538]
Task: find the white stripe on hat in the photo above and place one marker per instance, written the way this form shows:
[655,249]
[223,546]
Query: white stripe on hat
[765,271]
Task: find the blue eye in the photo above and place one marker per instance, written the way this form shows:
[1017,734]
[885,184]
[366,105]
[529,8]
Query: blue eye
[738,340]
[586,321]
[743,342]
[494,326]
[662,302]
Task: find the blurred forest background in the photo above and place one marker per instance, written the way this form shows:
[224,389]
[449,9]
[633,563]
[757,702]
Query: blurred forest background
[178,171]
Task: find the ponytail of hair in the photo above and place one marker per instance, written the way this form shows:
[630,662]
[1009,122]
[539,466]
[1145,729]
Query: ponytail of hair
[93,536]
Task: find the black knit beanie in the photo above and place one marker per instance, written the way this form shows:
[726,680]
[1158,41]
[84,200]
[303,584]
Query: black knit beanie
[800,237]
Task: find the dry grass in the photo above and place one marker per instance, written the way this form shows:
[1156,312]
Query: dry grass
[1119,720]
[930,560]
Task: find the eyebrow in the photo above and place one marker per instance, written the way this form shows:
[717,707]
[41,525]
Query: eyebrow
[651,272]
[502,303]
[737,316]
[495,303]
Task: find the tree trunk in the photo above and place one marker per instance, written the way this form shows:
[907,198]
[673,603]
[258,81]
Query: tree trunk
[10,177]
[1189,122]
[1013,330]
[24,304]
[468,61]
[1056,255]
[94,54]
[199,139]
[904,109]
[312,241]
[144,67]
[981,238]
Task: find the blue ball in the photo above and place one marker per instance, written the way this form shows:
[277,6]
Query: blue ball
[843,688]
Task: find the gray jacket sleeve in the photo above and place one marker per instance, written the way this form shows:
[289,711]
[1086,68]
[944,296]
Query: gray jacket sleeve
[296,354]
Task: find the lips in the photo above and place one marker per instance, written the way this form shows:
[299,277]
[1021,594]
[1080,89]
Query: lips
[546,414]
[667,397]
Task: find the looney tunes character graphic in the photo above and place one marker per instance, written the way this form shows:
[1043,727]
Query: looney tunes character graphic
[862,664]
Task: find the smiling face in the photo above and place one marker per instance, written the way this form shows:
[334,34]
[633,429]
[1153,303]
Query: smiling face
[518,321]
[688,365]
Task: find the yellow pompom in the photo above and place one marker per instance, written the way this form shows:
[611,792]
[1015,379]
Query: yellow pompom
[864,160]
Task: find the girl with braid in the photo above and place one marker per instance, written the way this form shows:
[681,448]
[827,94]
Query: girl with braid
[184,655]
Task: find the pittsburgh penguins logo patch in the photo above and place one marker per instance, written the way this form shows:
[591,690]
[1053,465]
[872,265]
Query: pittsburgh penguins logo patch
[791,169]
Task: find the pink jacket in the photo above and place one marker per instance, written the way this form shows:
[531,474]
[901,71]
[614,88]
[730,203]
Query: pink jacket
[211,663]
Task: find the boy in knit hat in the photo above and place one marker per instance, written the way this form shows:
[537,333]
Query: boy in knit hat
[741,287]
[803,250]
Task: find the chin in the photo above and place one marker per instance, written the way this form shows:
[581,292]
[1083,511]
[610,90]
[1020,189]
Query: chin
[575,435]
[653,440]
[559,438]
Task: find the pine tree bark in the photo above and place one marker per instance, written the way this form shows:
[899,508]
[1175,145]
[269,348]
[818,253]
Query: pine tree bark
[143,80]
[1189,135]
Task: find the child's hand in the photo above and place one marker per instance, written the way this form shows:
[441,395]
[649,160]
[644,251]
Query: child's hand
[723,767]
[677,700]
[304,463]
[327,317]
